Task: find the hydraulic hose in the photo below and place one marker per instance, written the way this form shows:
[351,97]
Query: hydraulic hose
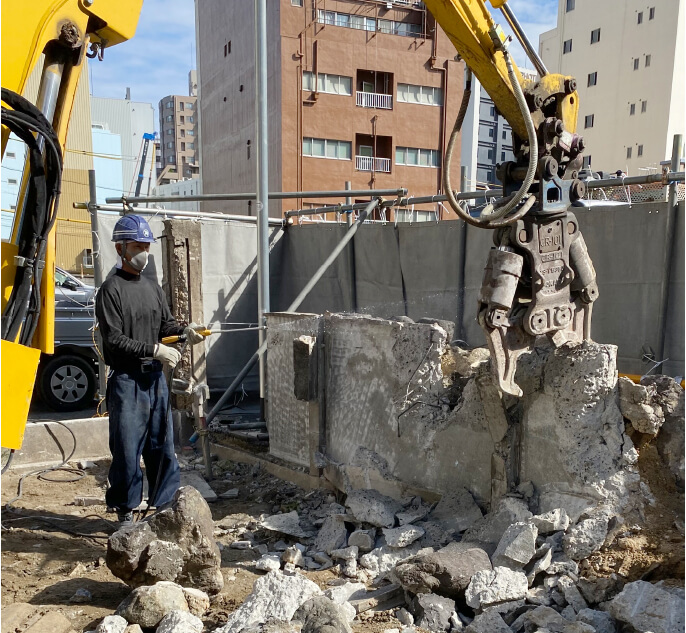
[497,218]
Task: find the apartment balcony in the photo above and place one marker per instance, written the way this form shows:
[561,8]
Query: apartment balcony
[374,100]
[369,163]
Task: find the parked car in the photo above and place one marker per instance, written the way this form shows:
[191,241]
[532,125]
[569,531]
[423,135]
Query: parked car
[68,379]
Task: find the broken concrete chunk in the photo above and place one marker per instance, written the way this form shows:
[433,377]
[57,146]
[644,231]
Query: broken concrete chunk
[198,601]
[402,536]
[269,562]
[274,596]
[161,560]
[320,614]
[364,540]
[648,607]
[125,547]
[433,612]
[293,555]
[370,506]
[53,622]
[491,527]
[597,590]
[241,545]
[540,596]
[81,596]
[602,622]
[111,624]
[585,537]
[384,598]
[489,622]
[404,617]
[230,494]
[467,362]
[638,405]
[446,572]
[499,585]
[148,605]
[571,593]
[413,513]
[288,523]
[345,553]
[517,546]
[554,521]
[383,559]
[332,535]
[670,445]
[180,622]
[456,511]
[342,593]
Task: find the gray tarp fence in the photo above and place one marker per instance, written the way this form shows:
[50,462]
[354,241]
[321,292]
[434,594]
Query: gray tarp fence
[417,270]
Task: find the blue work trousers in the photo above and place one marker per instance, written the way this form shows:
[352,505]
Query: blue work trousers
[137,403]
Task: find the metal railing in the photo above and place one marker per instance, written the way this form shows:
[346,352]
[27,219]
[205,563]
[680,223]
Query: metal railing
[368,163]
[374,100]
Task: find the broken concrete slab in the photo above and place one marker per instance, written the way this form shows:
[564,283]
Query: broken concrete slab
[370,506]
[540,565]
[585,537]
[648,607]
[147,605]
[332,535]
[456,511]
[343,593]
[14,615]
[547,619]
[571,593]
[488,622]
[319,613]
[287,523]
[293,555]
[198,601]
[53,621]
[112,624]
[195,479]
[490,528]
[269,562]
[274,596]
[384,598]
[598,590]
[601,621]
[180,622]
[413,513]
[498,585]
[433,612]
[446,572]
[402,536]
[554,521]
[383,559]
[517,546]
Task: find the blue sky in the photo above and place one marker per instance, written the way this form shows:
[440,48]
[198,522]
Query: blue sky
[155,63]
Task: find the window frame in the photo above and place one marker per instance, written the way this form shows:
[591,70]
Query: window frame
[629,151]
[589,118]
[403,91]
[639,17]
[592,79]
[430,157]
[649,58]
[594,33]
[565,49]
[338,145]
[570,6]
[639,151]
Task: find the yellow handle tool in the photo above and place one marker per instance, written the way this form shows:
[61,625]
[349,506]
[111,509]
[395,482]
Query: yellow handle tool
[168,340]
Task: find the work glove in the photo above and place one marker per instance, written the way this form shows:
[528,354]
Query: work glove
[192,335]
[167,355]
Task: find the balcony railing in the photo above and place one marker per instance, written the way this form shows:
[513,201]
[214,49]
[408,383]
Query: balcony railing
[367,163]
[374,100]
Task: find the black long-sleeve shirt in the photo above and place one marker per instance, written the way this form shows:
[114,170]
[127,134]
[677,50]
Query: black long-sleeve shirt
[133,315]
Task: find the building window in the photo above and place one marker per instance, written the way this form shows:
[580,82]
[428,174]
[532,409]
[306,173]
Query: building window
[628,152]
[636,63]
[227,48]
[595,36]
[190,132]
[640,150]
[647,61]
[169,104]
[170,159]
[567,47]
[191,119]
[190,145]
[297,3]
[327,148]
[330,84]
[12,154]
[504,134]
[490,154]
[588,121]
[347,20]
[570,5]
[183,147]
[651,13]
[592,79]
[170,145]
[491,132]
[493,111]
[632,109]
[11,181]
[587,162]
[502,156]
[182,132]
[169,118]
[169,132]
[182,119]
[640,17]
[644,106]
[426,95]
[417,157]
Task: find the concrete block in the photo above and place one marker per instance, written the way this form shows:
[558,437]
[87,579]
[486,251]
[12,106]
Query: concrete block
[516,547]
[433,612]
[370,506]
[554,521]
[364,540]
[14,615]
[456,511]
[499,585]
[648,607]
[585,538]
[402,536]
[54,622]
[195,479]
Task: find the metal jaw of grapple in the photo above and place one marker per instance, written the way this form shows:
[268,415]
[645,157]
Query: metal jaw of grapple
[539,281]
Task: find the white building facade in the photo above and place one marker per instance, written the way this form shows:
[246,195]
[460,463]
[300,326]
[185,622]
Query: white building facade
[187,187]
[628,60]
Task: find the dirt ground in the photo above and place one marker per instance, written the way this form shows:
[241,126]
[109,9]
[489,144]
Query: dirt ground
[45,567]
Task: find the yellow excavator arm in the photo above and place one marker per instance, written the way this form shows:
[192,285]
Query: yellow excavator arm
[57,35]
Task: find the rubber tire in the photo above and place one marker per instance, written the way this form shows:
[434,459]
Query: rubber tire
[48,371]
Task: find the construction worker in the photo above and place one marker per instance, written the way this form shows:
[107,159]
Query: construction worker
[133,317]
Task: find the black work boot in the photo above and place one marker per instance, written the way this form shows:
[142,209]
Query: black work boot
[125,518]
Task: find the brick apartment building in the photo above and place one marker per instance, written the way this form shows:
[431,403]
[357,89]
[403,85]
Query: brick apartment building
[359,90]
[178,138]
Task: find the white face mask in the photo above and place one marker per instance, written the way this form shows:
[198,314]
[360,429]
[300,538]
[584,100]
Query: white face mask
[139,262]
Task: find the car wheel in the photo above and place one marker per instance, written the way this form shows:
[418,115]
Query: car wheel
[67,383]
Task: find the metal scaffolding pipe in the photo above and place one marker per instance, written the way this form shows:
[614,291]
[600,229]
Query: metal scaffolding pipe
[294,306]
[672,176]
[274,195]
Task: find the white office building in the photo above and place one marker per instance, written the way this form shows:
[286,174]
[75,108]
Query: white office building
[628,59]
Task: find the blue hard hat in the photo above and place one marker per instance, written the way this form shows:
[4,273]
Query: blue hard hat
[132,228]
